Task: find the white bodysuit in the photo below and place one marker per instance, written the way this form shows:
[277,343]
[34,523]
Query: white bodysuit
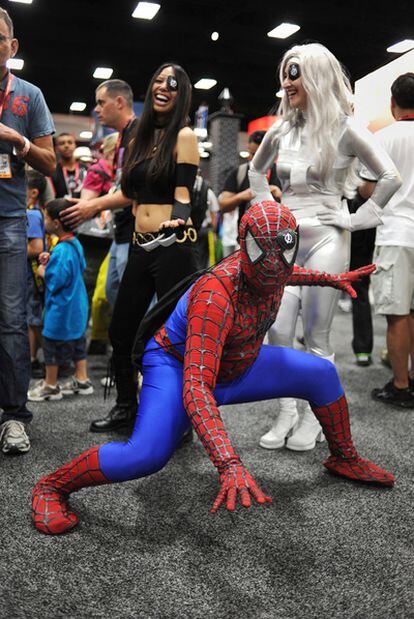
[322,247]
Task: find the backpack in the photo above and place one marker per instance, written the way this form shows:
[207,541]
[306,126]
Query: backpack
[199,203]
[156,317]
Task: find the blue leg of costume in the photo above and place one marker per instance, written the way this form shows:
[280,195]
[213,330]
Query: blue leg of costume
[162,420]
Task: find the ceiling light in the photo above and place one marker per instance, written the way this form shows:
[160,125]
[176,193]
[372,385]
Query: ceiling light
[244,154]
[280,93]
[15,63]
[205,83]
[401,47]
[214,36]
[283,31]
[204,154]
[86,135]
[23,1]
[103,73]
[207,145]
[77,106]
[146,10]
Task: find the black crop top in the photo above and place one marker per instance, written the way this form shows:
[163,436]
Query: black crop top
[146,193]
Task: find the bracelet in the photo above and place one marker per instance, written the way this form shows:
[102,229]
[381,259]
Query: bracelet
[23,152]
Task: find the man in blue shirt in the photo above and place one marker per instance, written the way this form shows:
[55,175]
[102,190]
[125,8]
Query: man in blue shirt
[26,129]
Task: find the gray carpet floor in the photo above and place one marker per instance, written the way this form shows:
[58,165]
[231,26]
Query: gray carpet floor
[325,548]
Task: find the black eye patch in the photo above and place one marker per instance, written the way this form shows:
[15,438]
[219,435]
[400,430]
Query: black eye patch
[172,83]
[293,71]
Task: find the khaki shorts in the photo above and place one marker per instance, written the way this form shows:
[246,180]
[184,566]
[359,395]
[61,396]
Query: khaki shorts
[393,281]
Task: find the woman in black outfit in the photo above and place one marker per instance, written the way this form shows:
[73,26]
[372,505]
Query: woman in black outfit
[158,176]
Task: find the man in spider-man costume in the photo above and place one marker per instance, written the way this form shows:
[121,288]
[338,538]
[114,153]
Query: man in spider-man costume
[209,352]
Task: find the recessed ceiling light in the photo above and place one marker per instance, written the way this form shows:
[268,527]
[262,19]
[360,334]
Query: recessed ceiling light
[205,83]
[204,154]
[146,10]
[280,93]
[283,31]
[23,1]
[15,63]
[86,135]
[103,73]
[214,36]
[244,154]
[401,47]
[77,106]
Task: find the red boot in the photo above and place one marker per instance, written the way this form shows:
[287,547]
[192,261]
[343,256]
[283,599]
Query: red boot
[344,459]
[50,510]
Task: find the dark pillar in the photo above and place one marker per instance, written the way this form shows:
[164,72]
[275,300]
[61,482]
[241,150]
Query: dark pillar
[224,134]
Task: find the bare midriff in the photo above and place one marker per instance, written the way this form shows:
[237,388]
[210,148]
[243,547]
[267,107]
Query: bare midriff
[149,217]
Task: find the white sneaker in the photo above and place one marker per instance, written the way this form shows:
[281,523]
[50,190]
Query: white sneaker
[285,425]
[73,386]
[13,437]
[308,433]
[42,391]
[108,381]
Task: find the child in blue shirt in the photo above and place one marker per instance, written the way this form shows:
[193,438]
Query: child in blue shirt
[66,310]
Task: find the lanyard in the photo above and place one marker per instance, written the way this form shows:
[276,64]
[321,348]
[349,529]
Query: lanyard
[6,93]
[407,117]
[118,146]
[65,175]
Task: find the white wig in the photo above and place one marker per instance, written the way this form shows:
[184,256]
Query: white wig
[328,100]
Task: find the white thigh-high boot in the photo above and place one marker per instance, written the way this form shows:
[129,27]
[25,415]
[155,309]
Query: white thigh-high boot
[285,424]
[309,431]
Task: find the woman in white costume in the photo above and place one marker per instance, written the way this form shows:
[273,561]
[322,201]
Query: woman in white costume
[316,142]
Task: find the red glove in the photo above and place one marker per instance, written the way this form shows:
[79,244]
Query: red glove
[344,279]
[236,480]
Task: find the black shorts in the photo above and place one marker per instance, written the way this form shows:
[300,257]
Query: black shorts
[59,352]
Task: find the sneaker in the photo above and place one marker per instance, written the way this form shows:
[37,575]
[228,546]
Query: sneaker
[73,386]
[108,381]
[390,394]
[13,437]
[363,359]
[42,391]
[37,369]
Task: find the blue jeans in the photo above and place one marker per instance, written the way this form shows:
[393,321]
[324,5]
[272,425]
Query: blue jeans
[14,339]
[118,258]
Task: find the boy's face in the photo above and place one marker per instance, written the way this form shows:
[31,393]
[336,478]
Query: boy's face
[32,195]
[51,225]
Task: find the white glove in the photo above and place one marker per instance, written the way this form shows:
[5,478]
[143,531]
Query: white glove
[367,216]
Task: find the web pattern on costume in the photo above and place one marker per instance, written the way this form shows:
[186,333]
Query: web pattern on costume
[229,312]
[50,511]
[344,459]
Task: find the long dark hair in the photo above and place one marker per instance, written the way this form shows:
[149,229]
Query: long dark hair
[161,165]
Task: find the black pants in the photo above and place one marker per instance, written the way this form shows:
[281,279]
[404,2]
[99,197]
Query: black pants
[362,248]
[146,273]
[95,250]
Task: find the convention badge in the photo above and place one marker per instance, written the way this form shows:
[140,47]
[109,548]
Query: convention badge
[5,166]
[172,83]
[293,71]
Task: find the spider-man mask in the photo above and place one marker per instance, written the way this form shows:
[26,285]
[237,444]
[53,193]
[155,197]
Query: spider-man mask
[269,240]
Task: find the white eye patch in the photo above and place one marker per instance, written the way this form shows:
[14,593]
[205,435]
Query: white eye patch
[253,249]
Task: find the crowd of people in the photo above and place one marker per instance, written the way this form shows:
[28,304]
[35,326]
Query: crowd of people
[124,245]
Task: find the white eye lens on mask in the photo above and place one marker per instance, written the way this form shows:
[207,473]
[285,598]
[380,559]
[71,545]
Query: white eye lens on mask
[253,249]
